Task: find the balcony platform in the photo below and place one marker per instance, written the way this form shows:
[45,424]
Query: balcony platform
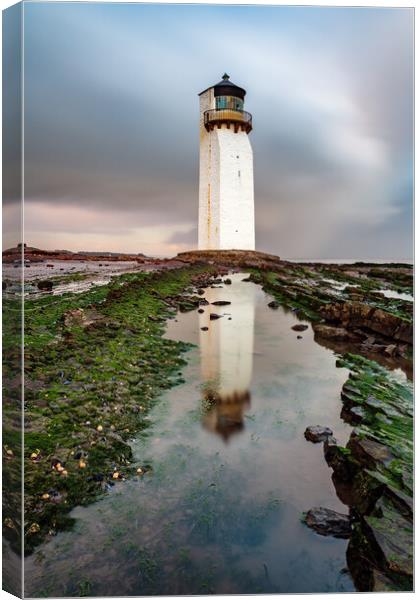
[238,119]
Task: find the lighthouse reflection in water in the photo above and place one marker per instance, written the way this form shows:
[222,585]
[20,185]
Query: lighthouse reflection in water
[226,354]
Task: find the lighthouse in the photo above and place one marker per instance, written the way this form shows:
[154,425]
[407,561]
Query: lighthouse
[226,190]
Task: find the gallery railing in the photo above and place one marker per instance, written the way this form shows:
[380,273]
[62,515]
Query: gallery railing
[239,119]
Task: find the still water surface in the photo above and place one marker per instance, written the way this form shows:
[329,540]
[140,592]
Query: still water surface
[231,471]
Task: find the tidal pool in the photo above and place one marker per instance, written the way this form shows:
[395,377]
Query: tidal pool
[231,472]
[397,295]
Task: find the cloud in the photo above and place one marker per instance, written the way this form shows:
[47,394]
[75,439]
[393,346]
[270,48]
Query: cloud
[111,123]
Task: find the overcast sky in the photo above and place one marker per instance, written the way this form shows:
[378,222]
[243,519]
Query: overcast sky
[111,125]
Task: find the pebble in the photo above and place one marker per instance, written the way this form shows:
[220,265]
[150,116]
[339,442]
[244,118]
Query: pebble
[299,327]
[214,316]
[34,528]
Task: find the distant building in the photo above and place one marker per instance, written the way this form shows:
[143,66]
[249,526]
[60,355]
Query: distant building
[226,194]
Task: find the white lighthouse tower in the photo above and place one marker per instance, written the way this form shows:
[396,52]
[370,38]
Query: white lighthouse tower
[226,196]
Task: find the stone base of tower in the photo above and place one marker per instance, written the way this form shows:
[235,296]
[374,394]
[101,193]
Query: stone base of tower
[231,258]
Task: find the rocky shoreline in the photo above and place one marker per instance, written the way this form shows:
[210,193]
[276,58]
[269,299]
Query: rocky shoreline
[88,391]
[373,476]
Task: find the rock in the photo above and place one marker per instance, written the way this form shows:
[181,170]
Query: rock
[201,310]
[45,284]
[357,413]
[390,350]
[273,304]
[34,528]
[228,281]
[299,337]
[299,327]
[201,292]
[382,583]
[317,433]
[357,314]
[81,317]
[214,316]
[221,303]
[328,522]
[369,452]
[80,454]
[330,449]
[394,536]
[344,469]
[330,332]
[204,328]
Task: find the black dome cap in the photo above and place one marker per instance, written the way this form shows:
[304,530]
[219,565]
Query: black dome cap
[227,88]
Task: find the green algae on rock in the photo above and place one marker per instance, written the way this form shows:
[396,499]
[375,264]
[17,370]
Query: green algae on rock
[95,363]
[377,468]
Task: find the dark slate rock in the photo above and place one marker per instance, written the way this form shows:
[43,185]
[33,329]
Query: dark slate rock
[328,522]
[45,285]
[317,433]
[299,327]
[369,452]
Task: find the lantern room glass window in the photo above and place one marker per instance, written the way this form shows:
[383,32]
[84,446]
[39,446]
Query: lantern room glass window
[229,102]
